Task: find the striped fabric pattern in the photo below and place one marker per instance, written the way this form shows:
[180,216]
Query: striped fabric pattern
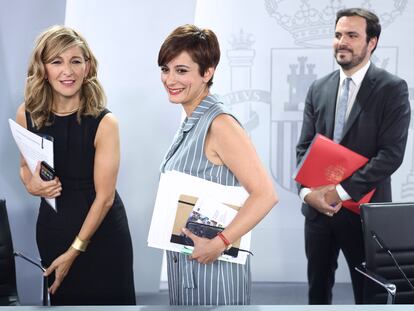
[189,282]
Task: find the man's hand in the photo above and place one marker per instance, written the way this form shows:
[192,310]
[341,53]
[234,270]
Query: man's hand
[332,197]
[324,199]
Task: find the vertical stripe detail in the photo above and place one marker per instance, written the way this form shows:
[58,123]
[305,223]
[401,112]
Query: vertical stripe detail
[189,282]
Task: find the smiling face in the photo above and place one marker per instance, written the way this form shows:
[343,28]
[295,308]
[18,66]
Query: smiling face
[66,73]
[350,45]
[183,82]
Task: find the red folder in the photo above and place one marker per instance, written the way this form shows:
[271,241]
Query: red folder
[327,162]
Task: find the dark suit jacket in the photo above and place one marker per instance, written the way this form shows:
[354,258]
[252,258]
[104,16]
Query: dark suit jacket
[377,128]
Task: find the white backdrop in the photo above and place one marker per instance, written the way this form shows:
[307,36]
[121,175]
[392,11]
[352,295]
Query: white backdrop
[20,22]
[271,51]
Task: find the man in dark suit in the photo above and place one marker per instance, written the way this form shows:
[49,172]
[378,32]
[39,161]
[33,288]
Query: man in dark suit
[374,123]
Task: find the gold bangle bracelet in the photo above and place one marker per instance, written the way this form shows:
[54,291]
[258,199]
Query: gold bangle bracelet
[79,244]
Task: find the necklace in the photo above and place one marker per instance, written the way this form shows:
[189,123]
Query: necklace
[64,113]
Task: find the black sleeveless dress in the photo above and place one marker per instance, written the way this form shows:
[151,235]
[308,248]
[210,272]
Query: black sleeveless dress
[103,275]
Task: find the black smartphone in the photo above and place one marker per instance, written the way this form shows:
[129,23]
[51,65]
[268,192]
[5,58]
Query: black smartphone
[203,230]
[209,232]
[46,171]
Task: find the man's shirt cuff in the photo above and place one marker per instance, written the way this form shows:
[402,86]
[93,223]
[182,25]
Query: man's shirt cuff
[303,193]
[343,195]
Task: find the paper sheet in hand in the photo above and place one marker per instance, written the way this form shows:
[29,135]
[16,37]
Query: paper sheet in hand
[33,148]
[174,184]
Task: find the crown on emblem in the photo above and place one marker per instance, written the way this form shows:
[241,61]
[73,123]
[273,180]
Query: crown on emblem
[310,23]
[242,41]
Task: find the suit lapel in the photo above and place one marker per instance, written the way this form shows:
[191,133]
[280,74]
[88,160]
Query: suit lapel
[330,103]
[364,92]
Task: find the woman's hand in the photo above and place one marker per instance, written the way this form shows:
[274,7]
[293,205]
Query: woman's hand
[47,189]
[205,250]
[61,267]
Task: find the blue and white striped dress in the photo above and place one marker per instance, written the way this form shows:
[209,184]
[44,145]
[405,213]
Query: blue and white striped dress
[189,282]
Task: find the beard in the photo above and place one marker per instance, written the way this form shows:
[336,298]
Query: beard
[355,59]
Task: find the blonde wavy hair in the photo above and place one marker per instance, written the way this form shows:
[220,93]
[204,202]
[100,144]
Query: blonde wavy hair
[38,95]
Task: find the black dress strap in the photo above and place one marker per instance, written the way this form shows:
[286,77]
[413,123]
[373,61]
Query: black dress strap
[29,123]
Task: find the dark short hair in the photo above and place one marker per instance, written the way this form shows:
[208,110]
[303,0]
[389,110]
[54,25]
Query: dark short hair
[201,44]
[373,28]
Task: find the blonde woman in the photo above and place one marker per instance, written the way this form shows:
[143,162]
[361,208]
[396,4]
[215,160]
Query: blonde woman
[85,245]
